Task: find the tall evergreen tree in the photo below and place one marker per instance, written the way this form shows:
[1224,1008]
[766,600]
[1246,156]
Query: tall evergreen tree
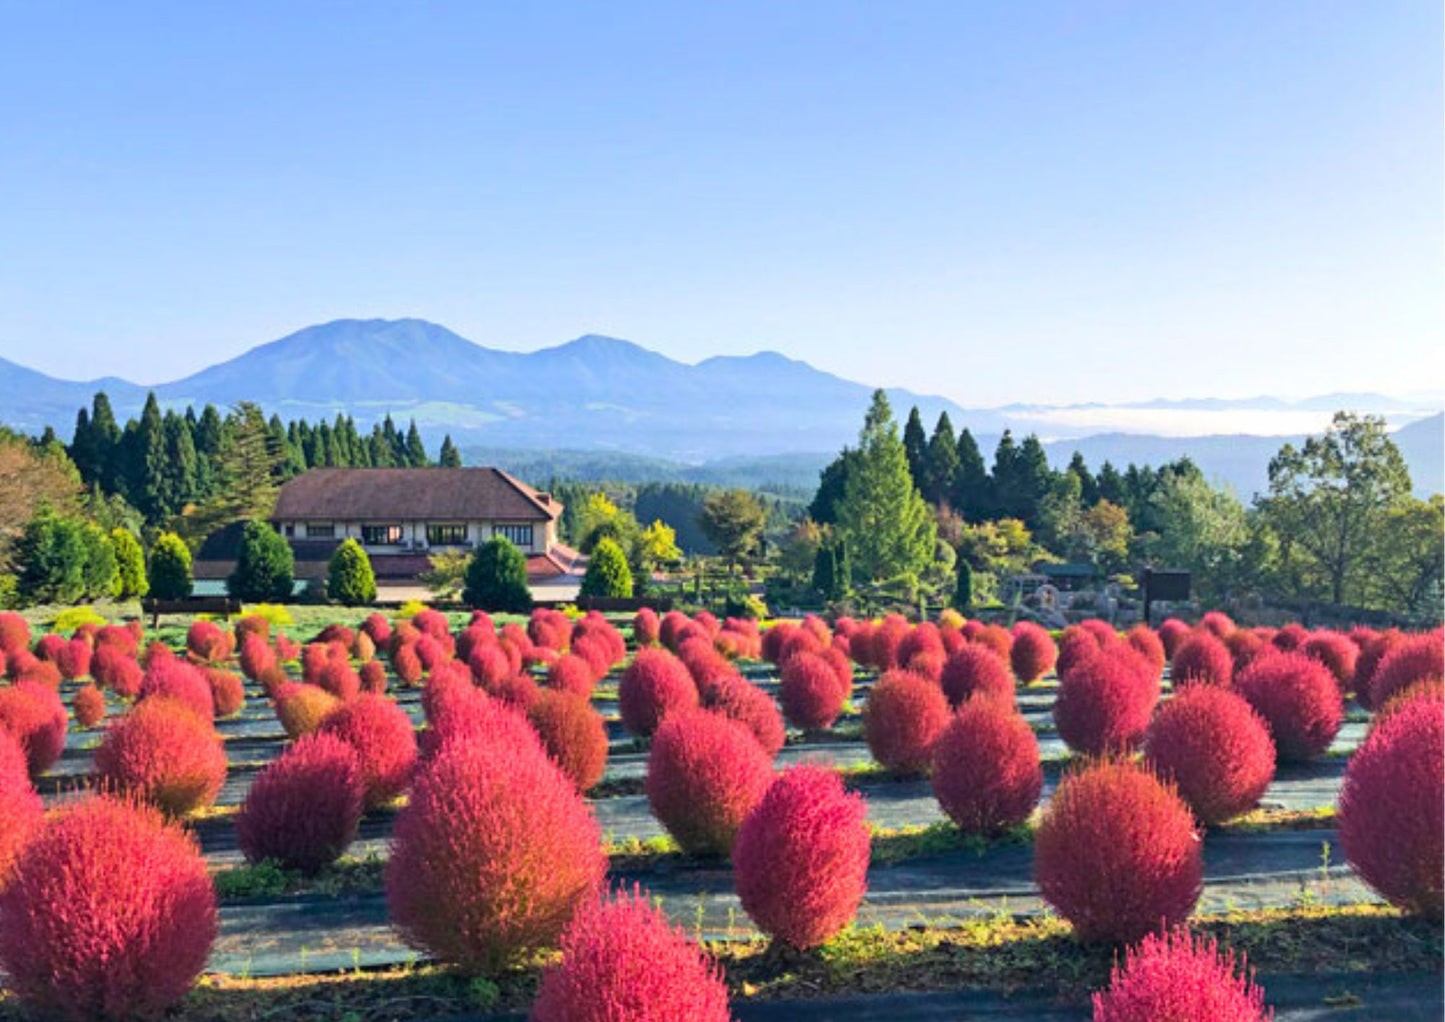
[1088,485]
[915,446]
[1110,484]
[82,449]
[449,456]
[1034,479]
[415,449]
[971,494]
[1006,502]
[882,518]
[831,482]
[940,462]
[179,476]
[105,434]
[146,460]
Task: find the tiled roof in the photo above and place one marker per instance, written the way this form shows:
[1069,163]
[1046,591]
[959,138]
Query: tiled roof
[412,494]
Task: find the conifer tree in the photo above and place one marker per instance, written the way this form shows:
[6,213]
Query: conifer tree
[882,517]
[940,462]
[915,446]
[449,456]
[971,493]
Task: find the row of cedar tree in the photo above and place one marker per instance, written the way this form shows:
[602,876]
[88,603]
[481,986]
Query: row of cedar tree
[497,855]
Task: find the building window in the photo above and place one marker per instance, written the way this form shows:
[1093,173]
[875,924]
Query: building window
[320,530]
[521,535]
[290,529]
[446,534]
[381,535]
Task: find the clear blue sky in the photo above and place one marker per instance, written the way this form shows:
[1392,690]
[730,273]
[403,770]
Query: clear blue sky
[998,202]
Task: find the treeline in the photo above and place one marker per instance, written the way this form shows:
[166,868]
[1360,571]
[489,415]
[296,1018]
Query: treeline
[680,506]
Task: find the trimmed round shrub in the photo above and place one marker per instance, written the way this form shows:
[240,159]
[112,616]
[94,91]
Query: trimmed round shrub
[1372,651]
[1430,688]
[373,677]
[705,773]
[997,639]
[987,775]
[73,659]
[21,810]
[116,670]
[1105,702]
[303,809]
[1243,647]
[492,856]
[37,719]
[14,632]
[902,719]
[655,684]
[339,678]
[496,578]
[607,575]
[110,914]
[89,706]
[459,712]
[1290,637]
[1336,651]
[1147,644]
[1033,652]
[1390,809]
[811,696]
[573,734]
[742,701]
[1116,853]
[40,672]
[489,665]
[800,861]
[1202,659]
[621,959]
[1075,645]
[976,670]
[1299,700]
[1217,623]
[170,678]
[302,708]
[163,753]
[385,744]
[1172,632]
[1215,749]
[349,578]
[206,641]
[256,656]
[646,627]
[1415,659]
[924,639]
[265,569]
[228,694]
[1174,977]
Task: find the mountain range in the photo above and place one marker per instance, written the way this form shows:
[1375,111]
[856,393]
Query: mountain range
[613,402]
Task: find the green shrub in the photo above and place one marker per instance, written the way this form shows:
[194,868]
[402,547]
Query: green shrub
[130,565]
[9,591]
[265,566]
[276,615]
[349,578]
[607,574]
[101,578]
[963,592]
[71,618]
[497,578]
[170,568]
[51,554]
[410,609]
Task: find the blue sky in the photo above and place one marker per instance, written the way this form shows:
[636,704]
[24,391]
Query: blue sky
[998,202]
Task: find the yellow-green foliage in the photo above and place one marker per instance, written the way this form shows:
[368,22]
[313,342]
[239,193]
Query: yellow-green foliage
[278,615]
[410,609]
[71,618]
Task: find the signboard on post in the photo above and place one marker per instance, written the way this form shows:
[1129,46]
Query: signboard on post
[1164,585]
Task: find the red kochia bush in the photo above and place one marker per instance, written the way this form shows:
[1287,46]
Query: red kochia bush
[303,809]
[1174,978]
[48,647]
[570,673]
[111,914]
[646,627]
[385,744]
[800,861]
[337,677]
[1033,652]
[1290,637]
[573,733]
[178,680]
[1216,750]
[1372,651]
[1146,643]
[705,773]
[373,677]
[1105,702]
[810,693]
[742,701]
[1416,659]
[1299,700]
[977,670]
[655,684]
[1243,647]
[1217,622]
[621,959]
[163,753]
[302,708]
[1203,658]
[493,855]
[227,692]
[73,659]
[1116,853]
[89,706]
[1173,632]
[206,641]
[406,663]
[14,632]
[21,810]
[256,656]
[1390,812]
[116,670]
[986,770]
[1336,651]
[902,719]
[36,718]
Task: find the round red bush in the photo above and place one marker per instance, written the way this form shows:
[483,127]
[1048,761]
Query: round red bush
[976,670]
[1299,700]
[206,641]
[705,773]
[73,659]
[1215,748]
[742,701]
[1390,811]
[1244,646]
[1372,651]
[385,744]
[167,677]
[110,914]
[810,693]
[655,684]
[228,694]
[1033,652]
[48,647]
[997,639]
[987,775]
[1336,651]
[89,706]
[457,711]
[800,861]
[492,856]
[337,677]
[1105,702]
[621,959]
[1174,978]
[646,627]
[902,719]
[1116,853]
[256,656]
[922,639]
[406,664]
[117,671]
[1173,632]
[163,753]
[1290,637]
[1415,659]
[1202,659]
[373,677]
[21,810]
[302,708]
[378,628]
[14,632]
[1217,623]
[573,733]
[1147,644]
[37,719]
[570,673]
[303,809]
[490,664]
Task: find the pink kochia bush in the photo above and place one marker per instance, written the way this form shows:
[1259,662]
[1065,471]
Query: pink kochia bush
[385,743]
[1175,977]
[110,914]
[303,809]
[744,702]
[1413,660]
[1299,700]
[655,684]
[1203,658]
[1033,652]
[811,693]
[1215,749]
[1390,810]
[21,810]
[986,770]
[573,733]
[622,960]
[492,856]
[36,718]
[1116,853]
[902,719]
[89,706]
[800,862]
[175,679]
[1105,701]
[163,753]
[976,670]
[705,773]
